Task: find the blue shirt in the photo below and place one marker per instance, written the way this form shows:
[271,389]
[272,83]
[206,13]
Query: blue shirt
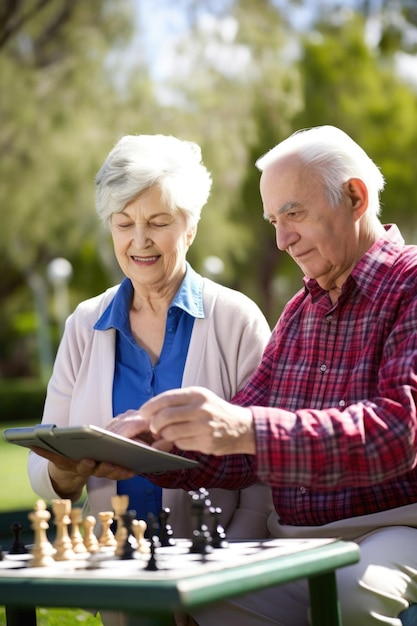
[136,380]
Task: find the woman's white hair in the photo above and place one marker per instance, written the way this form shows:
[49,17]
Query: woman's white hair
[335,157]
[138,162]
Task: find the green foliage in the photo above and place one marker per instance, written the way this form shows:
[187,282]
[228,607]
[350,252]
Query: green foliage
[356,87]
[21,400]
[239,79]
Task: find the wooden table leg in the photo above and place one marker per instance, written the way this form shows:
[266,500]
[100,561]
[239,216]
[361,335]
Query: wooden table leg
[324,602]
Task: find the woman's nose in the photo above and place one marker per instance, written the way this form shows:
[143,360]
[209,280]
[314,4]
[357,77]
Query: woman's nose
[140,236]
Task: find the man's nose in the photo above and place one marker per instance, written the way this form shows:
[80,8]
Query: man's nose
[285,237]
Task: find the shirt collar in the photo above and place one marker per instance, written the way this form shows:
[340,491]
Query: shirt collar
[188,298]
[370,270]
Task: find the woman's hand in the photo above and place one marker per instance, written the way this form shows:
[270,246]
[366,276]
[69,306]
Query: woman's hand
[69,477]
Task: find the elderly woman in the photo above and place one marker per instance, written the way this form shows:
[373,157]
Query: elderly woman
[163,327]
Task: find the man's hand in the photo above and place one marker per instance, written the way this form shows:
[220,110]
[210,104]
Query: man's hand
[192,418]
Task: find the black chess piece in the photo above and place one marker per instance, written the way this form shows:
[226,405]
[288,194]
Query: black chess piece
[17,547]
[201,543]
[152,564]
[165,531]
[218,534]
[130,541]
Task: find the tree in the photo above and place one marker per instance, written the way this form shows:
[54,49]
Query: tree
[57,109]
[350,84]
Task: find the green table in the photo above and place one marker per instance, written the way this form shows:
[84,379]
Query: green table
[125,586]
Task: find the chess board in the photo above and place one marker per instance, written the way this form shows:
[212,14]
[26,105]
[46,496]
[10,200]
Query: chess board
[171,562]
[181,581]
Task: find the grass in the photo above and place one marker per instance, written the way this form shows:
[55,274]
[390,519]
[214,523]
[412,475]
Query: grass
[59,617]
[16,495]
[16,492]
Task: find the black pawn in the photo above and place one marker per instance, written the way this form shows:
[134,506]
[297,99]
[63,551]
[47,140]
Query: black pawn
[165,531]
[218,534]
[152,565]
[17,547]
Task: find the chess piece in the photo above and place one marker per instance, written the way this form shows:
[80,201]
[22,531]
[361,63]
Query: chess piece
[106,539]
[17,547]
[218,534]
[165,531]
[62,544]
[42,550]
[90,540]
[128,546]
[152,564]
[120,505]
[139,528]
[76,536]
[201,543]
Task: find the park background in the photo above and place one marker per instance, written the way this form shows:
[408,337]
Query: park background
[236,76]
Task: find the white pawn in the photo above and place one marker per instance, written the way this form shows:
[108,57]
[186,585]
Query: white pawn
[90,540]
[139,528]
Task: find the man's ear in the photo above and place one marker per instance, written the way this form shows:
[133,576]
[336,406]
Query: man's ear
[357,192]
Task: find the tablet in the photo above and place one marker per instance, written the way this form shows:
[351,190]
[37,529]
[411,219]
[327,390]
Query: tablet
[93,442]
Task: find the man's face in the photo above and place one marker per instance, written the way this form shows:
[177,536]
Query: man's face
[322,240]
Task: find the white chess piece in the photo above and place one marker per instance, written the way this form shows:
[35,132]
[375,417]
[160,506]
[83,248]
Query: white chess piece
[76,536]
[42,550]
[62,543]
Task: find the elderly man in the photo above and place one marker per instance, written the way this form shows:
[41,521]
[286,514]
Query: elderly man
[329,417]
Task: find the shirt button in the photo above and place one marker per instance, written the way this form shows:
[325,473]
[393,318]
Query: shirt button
[303,490]
[323,368]
[170,329]
[329,318]
[149,491]
[342,403]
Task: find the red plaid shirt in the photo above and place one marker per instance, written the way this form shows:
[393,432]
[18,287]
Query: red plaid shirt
[334,398]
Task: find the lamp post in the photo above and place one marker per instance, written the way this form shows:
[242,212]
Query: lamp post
[213,267]
[59,273]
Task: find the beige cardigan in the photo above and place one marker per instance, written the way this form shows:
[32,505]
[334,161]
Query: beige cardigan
[225,348]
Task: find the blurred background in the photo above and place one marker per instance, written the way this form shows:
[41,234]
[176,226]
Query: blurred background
[237,76]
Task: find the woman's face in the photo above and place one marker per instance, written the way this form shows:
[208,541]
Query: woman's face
[151,242]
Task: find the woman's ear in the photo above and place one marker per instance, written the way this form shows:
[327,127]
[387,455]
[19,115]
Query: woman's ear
[191,233]
[357,192]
